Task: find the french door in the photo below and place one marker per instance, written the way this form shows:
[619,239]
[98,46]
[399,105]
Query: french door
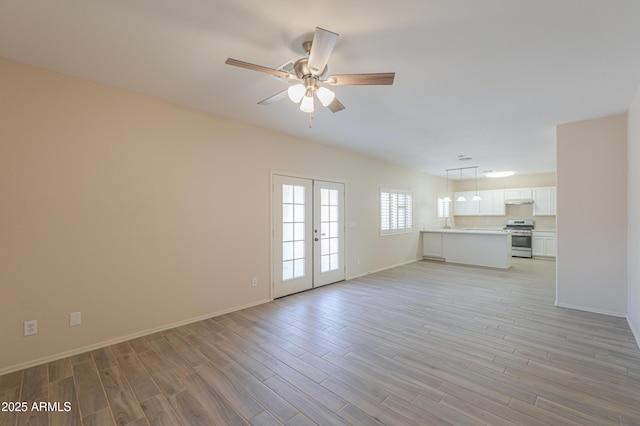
[308,237]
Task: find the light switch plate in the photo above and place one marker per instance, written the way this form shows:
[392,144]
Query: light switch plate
[74,319]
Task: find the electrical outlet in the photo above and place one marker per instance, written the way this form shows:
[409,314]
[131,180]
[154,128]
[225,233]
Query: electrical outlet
[254,282]
[30,327]
[74,319]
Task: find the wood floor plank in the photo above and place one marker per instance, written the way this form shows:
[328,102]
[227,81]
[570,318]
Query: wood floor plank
[306,385]
[63,391]
[356,399]
[276,404]
[365,387]
[307,406]
[264,419]
[138,377]
[91,397]
[60,369]
[166,380]
[123,403]
[236,395]
[424,343]
[11,380]
[213,402]
[35,384]
[159,412]
[189,410]
[102,417]
[34,416]
[9,417]
[104,358]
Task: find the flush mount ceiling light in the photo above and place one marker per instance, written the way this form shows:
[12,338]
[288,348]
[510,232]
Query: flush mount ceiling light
[494,174]
[309,74]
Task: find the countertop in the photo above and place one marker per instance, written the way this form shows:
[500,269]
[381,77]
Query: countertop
[466,231]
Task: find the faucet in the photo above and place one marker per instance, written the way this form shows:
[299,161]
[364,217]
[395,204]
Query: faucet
[445,224]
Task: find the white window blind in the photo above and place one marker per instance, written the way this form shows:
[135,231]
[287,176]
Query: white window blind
[396,211]
[443,208]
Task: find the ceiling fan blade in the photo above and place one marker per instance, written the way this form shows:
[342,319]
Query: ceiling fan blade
[335,105]
[249,66]
[384,78]
[274,98]
[321,48]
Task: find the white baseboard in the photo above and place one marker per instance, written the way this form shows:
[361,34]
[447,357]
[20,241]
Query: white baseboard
[121,339]
[589,309]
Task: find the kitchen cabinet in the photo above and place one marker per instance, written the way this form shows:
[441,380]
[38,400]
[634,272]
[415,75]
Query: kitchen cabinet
[491,203]
[432,244]
[543,243]
[518,194]
[467,207]
[469,247]
[544,201]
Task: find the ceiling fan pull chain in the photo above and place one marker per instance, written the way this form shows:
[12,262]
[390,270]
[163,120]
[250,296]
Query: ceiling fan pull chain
[310,118]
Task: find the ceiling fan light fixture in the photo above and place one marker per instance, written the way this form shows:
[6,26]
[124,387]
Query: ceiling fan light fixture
[296,93]
[307,104]
[325,95]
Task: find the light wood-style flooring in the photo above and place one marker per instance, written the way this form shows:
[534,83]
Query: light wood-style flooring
[425,343]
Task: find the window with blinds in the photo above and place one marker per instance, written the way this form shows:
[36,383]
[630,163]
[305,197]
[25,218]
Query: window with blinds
[396,211]
[443,208]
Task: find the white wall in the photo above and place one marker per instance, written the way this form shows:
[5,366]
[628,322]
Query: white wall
[592,215]
[142,214]
[633,226]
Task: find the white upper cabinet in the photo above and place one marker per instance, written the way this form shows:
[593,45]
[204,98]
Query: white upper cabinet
[467,207]
[518,194]
[491,203]
[544,201]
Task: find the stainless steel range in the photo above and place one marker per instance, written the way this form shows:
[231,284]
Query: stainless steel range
[521,230]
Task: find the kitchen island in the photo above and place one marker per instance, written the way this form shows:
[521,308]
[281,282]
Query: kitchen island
[490,248]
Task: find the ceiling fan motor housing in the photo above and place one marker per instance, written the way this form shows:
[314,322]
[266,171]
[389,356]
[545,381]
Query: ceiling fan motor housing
[301,67]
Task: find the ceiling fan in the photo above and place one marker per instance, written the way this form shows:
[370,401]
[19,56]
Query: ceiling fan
[308,76]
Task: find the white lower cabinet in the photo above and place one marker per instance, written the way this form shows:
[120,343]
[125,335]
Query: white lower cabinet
[543,244]
[432,244]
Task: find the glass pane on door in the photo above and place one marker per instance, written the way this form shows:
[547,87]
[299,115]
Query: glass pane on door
[329,247]
[293,235]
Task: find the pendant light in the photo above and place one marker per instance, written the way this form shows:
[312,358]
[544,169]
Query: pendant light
[447,199]
[461,197]
[476,197]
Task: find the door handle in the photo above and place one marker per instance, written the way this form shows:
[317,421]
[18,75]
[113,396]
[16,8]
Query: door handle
[316,239]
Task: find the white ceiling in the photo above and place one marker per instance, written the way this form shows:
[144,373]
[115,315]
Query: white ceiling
[488,79]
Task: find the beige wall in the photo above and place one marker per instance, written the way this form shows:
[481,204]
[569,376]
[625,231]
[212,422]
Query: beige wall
[592,215]
[524,211]
[633,225]
[142,214]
